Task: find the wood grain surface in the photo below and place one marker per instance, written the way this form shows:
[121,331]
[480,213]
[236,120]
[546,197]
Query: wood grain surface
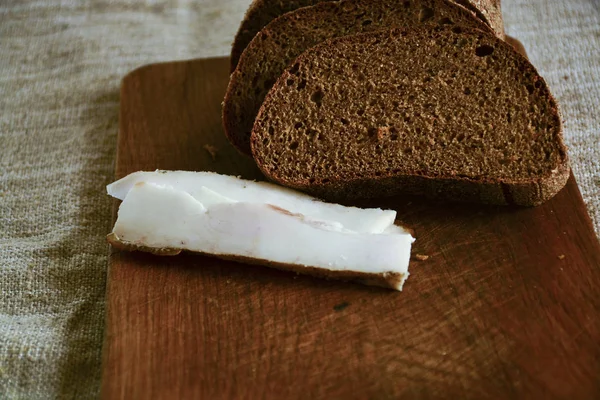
[507,304]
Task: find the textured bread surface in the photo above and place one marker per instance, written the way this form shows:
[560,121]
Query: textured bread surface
[489,11]
[258,15]
[261,12]
[450,112]
[280,42]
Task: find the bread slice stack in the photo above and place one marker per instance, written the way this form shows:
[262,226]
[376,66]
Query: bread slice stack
[367,98]
[261,12]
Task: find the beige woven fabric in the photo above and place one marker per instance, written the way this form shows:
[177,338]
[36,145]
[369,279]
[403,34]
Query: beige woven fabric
[61,62]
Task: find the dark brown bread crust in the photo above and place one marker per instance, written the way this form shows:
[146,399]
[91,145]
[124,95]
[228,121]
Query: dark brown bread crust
[261,12]
[389,280]
[489,11]
[258,15]
[280,42]
[532,193]
[342,181]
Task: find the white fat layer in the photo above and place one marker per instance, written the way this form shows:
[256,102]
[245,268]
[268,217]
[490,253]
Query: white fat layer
[164,216]
[370,220]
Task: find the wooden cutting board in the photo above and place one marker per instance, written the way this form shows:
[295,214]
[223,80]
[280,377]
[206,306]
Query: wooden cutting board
[506,306]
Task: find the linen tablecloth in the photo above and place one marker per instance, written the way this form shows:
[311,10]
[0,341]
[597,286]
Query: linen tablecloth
[61,62]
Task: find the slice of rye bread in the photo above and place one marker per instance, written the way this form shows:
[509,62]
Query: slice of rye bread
[258,15]
[279,43]
[261,12]
[447,112]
